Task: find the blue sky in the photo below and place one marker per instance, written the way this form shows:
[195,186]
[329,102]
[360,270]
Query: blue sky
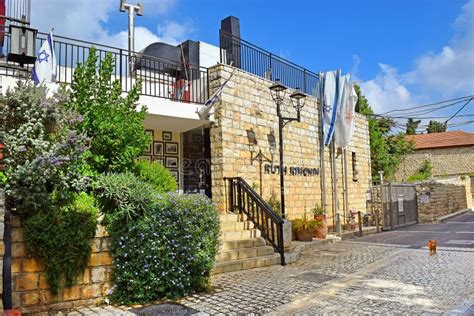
[401,52]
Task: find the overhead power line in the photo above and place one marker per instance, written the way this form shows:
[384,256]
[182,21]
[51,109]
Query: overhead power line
[454,115]
[429,105]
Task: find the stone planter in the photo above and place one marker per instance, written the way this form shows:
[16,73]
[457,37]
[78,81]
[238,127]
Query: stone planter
[322,231]
[305,234]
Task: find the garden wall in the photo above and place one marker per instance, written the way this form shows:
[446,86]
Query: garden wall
[30,289]
[442,197]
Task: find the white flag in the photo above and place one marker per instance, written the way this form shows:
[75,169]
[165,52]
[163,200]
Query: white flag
[333,93]
[345,122]
[45,65]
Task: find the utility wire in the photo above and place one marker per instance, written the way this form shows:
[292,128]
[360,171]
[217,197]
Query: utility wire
[446,122]
[428,105]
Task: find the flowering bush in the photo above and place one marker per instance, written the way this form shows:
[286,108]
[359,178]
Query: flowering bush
[43,152]
[164,250]
[157,175]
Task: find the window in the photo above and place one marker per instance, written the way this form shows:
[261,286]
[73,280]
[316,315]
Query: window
[355,172]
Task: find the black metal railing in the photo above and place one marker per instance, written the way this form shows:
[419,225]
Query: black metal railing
[159,77]
[262,63]
[244,200]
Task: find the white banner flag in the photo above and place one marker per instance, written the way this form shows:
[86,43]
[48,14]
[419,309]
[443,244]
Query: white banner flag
[345,117]
[333,93]
[45,65]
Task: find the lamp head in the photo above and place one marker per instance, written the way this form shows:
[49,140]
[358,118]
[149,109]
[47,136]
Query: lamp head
[298,98]
[277,90]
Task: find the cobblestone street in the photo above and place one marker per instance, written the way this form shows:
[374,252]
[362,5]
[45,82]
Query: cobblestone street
[347,278]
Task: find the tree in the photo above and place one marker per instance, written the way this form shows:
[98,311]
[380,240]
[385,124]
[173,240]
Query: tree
[113,123]
[386,149]
[412,125]
[436,127]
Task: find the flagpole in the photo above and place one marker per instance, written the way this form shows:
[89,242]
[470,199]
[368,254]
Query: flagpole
[346,186]
[321,143]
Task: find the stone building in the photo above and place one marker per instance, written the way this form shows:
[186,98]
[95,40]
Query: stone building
[450,153]
[238,139]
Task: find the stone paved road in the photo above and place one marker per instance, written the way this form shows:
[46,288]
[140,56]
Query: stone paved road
[362,276]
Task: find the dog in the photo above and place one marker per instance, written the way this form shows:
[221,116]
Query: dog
[432,246]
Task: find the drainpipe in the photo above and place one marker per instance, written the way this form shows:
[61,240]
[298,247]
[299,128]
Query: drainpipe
[7,260]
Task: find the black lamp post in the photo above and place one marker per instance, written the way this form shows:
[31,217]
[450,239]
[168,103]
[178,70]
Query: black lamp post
[277,91]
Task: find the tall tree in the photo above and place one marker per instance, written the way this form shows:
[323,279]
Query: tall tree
[386,148]
[436,127]
[412,125]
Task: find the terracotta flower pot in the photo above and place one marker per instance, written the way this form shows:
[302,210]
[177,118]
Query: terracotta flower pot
[305,234]
[322,231]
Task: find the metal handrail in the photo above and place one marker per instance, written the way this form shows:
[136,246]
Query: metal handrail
[258,61]
[245,200]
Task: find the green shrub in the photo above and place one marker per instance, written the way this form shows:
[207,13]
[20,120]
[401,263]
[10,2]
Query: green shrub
[63,237]
[123,197]
[157,175]
[318,210]
[167,252]
[304,223]
[274,203]
[424,173]
[3,179]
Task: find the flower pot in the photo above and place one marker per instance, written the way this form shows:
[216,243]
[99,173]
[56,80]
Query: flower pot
[305,234]
[322,231]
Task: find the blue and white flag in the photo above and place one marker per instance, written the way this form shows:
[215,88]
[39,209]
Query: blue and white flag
[332,95]
[346,116]
[45,65]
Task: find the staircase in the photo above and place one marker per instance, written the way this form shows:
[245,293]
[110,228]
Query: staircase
[251,233]
[241,246]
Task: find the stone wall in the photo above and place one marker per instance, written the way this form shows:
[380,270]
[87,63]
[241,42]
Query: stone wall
[246,105]
[445,161]
[442,197]
[30,289]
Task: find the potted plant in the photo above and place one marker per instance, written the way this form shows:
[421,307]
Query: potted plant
[305,227]
[320,215]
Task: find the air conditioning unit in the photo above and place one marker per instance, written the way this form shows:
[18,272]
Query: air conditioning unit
[22,45]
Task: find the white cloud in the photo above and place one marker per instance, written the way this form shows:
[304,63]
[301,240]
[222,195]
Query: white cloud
[87,20]
[446,73]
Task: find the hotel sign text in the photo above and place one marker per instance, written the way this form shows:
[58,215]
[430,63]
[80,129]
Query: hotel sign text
[292,171]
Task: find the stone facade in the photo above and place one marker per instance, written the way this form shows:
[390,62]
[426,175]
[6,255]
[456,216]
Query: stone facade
[449,161]
[442,197]
[31,290]
[246,105]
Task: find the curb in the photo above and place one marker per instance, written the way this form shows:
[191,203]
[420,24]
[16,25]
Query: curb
[295,253]
[449,216]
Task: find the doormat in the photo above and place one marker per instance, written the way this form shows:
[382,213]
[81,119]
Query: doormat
[164,309]
[313,277]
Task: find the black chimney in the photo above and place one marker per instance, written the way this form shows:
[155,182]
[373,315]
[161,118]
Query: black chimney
[230,40]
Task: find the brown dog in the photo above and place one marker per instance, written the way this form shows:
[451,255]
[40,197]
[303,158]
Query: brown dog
[432,246]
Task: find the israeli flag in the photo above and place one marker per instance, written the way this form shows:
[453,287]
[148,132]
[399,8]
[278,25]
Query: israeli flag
[45,65]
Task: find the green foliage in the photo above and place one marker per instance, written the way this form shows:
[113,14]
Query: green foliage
[123,197]
[157,175]
[318,210]
[113,122]
[305,223]
[424,173]
[62,236]
[161,249]
[386,150]
[3,179]
[436,127]
[43,152]
[412,125]
[274,202]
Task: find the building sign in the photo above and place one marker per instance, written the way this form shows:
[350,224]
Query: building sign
[424,198]
[400,203]
[292,171]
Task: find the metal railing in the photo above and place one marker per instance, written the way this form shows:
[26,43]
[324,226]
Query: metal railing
[244,200]
[159,77]
[263,63]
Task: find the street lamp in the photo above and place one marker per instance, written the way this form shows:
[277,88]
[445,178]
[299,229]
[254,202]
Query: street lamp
[297,98]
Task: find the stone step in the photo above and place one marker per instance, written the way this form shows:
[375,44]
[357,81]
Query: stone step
[234,226]
[239,234]
[228,217]
[242,243]
[244,264]
[244,253]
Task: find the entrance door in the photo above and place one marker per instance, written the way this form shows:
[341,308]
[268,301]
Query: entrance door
[197,161]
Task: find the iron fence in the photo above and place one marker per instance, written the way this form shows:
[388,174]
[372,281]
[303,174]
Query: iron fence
[159,77]
[264,64]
